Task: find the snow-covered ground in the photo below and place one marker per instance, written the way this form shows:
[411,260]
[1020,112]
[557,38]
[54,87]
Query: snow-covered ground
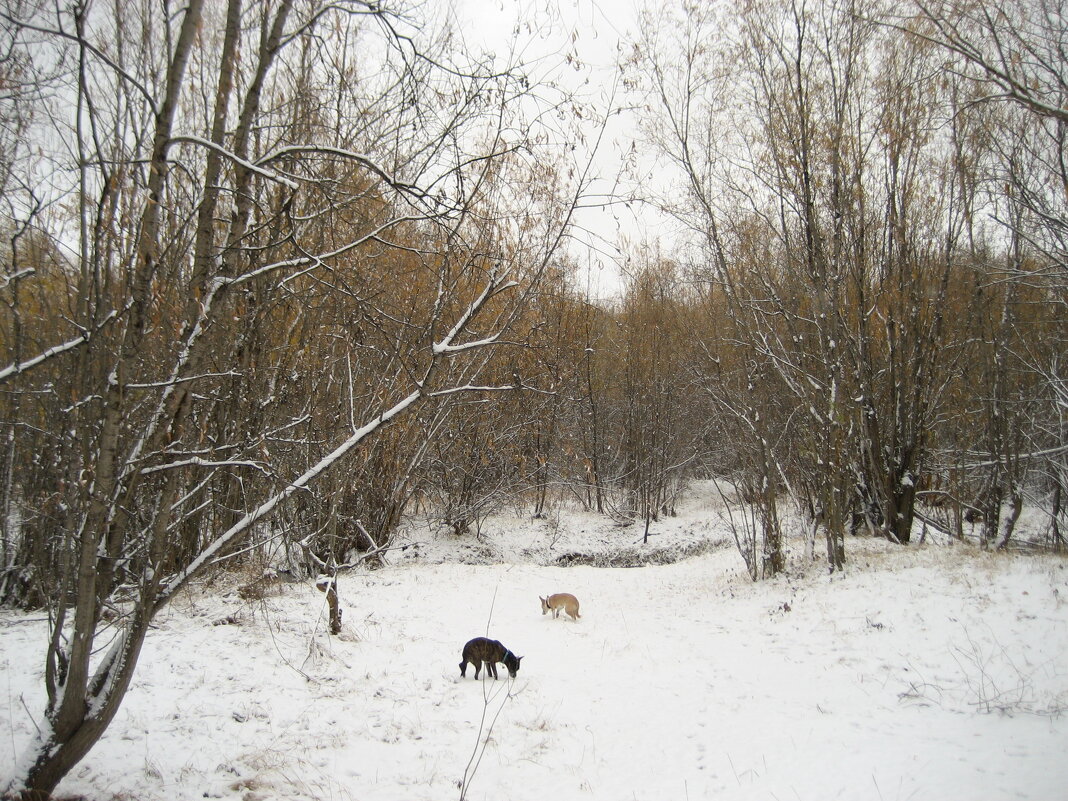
[926,672]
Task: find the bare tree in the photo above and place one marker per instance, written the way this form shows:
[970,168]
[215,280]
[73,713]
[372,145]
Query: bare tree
[1012,55]
[834,197]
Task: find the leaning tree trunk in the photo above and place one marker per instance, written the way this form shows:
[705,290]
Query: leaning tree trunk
[57,748]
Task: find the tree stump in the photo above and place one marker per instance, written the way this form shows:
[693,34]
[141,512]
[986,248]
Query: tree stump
[328,584]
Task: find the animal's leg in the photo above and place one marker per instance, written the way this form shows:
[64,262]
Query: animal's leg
[463,669]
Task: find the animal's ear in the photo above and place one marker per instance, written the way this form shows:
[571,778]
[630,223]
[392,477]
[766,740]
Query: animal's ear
[518,659]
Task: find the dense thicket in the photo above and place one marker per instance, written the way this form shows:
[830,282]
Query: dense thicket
[875,197]
[278,273]
[241,240]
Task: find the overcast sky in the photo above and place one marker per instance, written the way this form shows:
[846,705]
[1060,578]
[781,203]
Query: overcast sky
[592,33]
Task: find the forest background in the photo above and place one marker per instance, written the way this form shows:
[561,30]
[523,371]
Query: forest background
[276,274]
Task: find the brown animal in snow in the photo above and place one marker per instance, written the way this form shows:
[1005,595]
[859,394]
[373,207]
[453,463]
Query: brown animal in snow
[561,600]
[483,651]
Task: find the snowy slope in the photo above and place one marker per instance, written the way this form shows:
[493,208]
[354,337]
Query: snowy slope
[923,672]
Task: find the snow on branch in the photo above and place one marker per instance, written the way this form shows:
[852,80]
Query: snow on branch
[472,388]
[18,275]
[248,165]
[196,461]
[55,350]
[441,349]
[221,283]
[14,369]
[241,526]
[446,346]
[1042,454]
[315,261]
[183,379]
[361,159]
[494,285]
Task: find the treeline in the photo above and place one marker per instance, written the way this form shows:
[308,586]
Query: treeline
[869,322]
[610,405]
[875,194]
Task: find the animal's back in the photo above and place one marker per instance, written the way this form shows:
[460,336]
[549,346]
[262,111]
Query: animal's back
[566,601]
[484,649]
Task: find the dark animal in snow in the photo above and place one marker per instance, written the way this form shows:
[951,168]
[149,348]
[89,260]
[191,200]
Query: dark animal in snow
[483,651]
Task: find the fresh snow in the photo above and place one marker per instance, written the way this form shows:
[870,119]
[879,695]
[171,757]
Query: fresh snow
[926,672]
